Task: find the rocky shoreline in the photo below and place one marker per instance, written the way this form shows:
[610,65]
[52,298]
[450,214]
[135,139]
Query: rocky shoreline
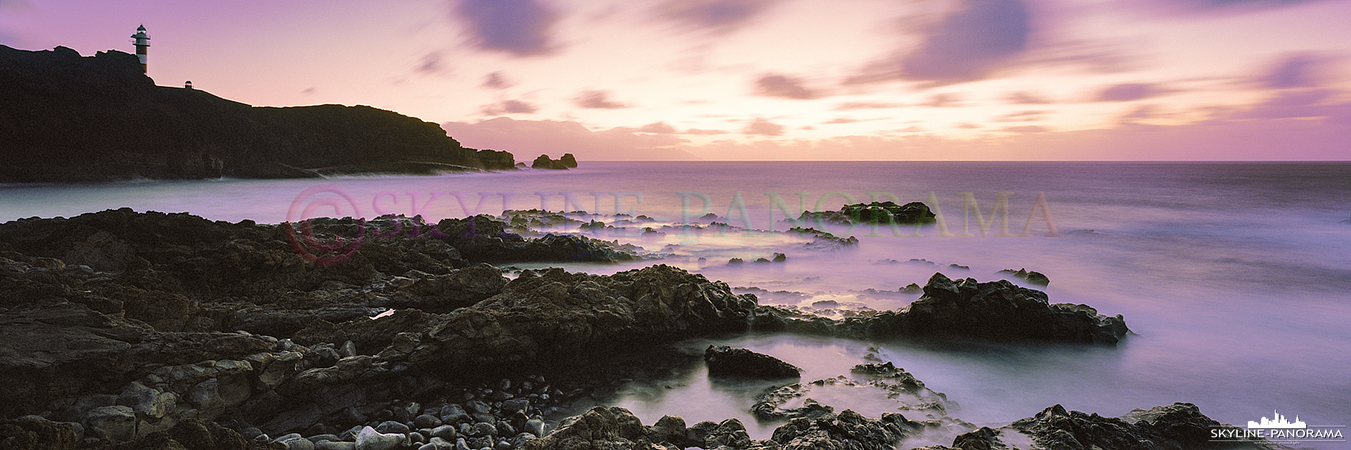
[121,329]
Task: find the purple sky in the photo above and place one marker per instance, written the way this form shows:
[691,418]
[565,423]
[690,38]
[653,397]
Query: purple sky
[771,79]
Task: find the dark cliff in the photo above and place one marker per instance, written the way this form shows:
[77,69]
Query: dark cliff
[66,118]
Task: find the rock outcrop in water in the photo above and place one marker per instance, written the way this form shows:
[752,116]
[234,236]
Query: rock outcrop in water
[69,118]
[967,308]
[1030,276]
[875,213]
[564,163]
[724,361]
[568,160]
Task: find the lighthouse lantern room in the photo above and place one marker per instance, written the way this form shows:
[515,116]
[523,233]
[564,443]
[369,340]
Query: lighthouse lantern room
[142,45]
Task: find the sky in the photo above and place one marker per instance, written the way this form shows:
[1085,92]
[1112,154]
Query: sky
[770,79]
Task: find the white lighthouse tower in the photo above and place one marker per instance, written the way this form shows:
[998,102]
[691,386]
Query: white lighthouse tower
[142,46]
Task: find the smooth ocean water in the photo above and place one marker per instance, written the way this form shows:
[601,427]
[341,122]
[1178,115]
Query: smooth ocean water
[1235,277]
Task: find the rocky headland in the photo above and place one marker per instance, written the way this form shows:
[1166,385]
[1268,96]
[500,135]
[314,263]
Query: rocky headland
[121,329]
[68,118]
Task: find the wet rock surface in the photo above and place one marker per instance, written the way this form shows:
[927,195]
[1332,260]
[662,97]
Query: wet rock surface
[1030,276]
[1175,426]
[618,428]
[928,409]
[128,324]
[126,330]
[876,213]
[966,308]
[724,361]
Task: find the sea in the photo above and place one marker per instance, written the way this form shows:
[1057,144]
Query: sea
[1234,278]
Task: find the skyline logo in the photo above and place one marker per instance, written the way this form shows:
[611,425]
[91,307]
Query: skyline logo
[1278,429]
[1276,421]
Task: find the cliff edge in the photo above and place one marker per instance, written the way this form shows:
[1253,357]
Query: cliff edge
[68,118]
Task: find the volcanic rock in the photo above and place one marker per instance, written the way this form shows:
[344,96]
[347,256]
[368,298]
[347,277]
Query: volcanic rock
[1176,426]
[725,361]
[1031,277]
[876,213]
[543,162]
[993,310]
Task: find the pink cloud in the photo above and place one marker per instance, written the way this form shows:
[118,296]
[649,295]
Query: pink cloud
[515,27]
[509,107]
[774,85]
[1220,7]
[497,80]
[868,105]
[1026,98]
[1141,113]
[1025,129]
[1294,71]
[763,127]
[968,45]
[1128,92]
[1030,115]
[942,100]
[596,99]
[657,127]
[431,64]
[715,16]
[1307,103]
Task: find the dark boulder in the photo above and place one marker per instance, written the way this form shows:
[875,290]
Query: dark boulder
[895,375]
[999,310]
[983,438]
[37,433]
[993,310]
[63,349]
[456,289]
[1031,277]
[845,430]
[600,427]
[484,238]
[568,161]
[769,408]
[875,213]
[1179,422]
[541,317]
[543,162]
[668,429]
[1176,426]
[824,239]
[899,385]
[724,361]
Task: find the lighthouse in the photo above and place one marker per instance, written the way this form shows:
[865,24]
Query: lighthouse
[142,45]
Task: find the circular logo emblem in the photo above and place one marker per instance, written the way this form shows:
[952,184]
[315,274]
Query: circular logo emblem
[300,225]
